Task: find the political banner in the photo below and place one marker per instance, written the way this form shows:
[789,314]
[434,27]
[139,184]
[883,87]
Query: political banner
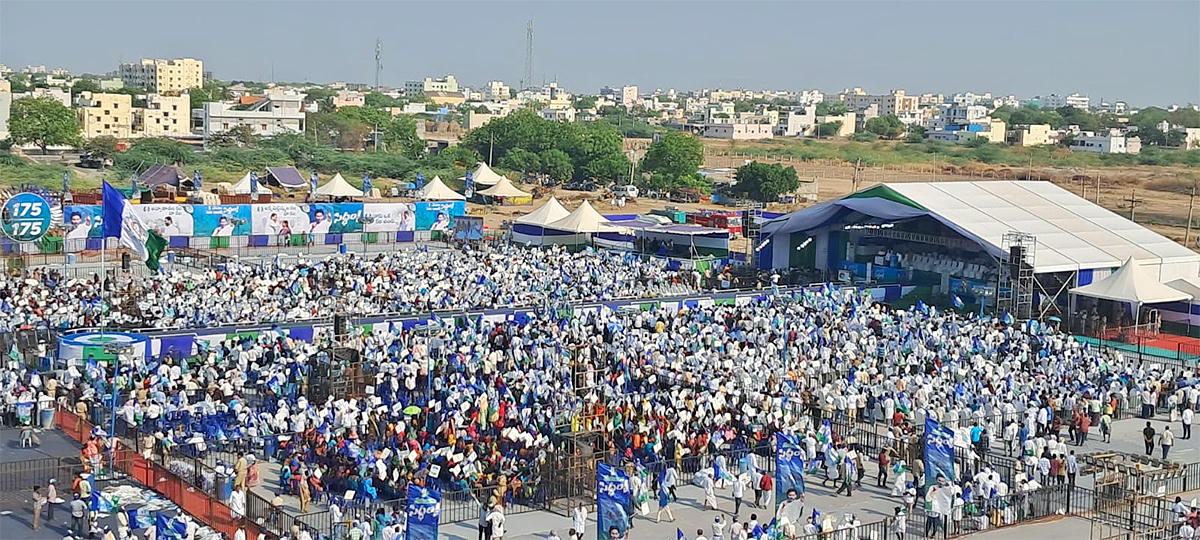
[939,453]
[438,215]
[220,220]
[387,217]
[789,466]
[468,228]
[278,219]
[613,500]
[423,511]
[334,218]
[167,219]
[83,222]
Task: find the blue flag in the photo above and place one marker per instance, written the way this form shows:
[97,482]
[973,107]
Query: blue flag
[254,183]
[169,528]
[1007,318]
[312,181]
[613,500]
[470,184]
[958,303]
[197,181]
[366,184]
[113,206]
[423,511]
[679,534]
[420,180]
[789,466]
[66,182]
[939,453]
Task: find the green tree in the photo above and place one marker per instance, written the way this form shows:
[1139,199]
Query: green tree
[377,100]
[830,108]
[101,148]
[584,102]
[828,129]
[677,156]
[557,165]
[482,109]
[765,182]
[211,90]
[1003,113]
[520,159]
[888,126]
[323,97]
[84,85]
[239,136]
[743,106]
[44,122]
[400,137]
[19,82]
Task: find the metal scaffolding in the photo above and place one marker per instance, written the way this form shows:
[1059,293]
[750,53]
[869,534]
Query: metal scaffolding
[1017,283]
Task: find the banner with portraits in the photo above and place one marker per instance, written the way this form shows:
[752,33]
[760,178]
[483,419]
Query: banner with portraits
[83,222]
[384,217]
[221,220]
[168,220]
[279,219]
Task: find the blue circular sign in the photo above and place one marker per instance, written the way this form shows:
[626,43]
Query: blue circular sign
[25,217]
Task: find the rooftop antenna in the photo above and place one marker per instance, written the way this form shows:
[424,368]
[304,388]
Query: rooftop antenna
[378,61]
[528,79]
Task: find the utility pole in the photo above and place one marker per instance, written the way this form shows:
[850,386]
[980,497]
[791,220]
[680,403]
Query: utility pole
[1133,202]
[1029,174]
[1097,187]
[1187,236]
[857,169]
[491,145]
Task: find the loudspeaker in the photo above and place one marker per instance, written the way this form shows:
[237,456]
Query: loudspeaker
[339,324]
[1016,254]
[124,261]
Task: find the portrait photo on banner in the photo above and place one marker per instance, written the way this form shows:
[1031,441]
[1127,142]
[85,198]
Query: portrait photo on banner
[167,219]
[388,217]
[335,218]
[83,222]
[278,219]
[221,220]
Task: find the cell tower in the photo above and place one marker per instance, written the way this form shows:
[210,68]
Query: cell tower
[378,61]
[528,78]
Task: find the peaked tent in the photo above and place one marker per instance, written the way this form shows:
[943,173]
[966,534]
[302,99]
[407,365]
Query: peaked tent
[1131,284]
[242,187]
[530,228]
[338,187]
[437,190]
[584,220]
[159,174]
[1183,312]
[287,177]
[484,175]
[504,189]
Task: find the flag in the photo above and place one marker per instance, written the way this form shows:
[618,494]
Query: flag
[789,465]
[366,184]
[312,181]
[939,453]
[253,183]
[613,499]
[1007,318]
[469,187]
[120,221]
[958,303]
[423,511]
[66,182]
[169,529]
[679,534]
[197,182]
[825,432]
[420,180]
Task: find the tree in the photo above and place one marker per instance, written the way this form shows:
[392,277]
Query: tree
[482,109]
[557,165]
[677,156]
[400,137]
[743,106]
[520,159]
[885,126]
[44,122]
[765,182]
[828,129]
[377,100]
[84,85]
[584,102]
[101,148]
[239,136]
[19,82]
[211,90]
[831,108]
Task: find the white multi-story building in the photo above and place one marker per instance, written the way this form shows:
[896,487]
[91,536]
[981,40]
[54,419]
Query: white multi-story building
[278,113]
[965,114]
[558,115]
[629,96]
[1055,101]
[431,84]
[797,122]
[163,116]
[740,132]
[348,98]
[163,76]
[809,98]
[496,91]
[1113,142]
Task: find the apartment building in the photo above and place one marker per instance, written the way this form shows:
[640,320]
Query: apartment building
[279,113]
[1055,101]
[105,114]
[496,91]
[163,116]
[348,98]
[431,84]
[1030,135]
[163,76]
[629,96]
[894,103]
[1112,142]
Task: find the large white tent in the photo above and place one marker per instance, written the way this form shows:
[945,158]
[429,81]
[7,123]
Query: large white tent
[242,187]
[584,219]
[530,228]
[338,187]
[1131,284]
[504,189]
[1183,312]
[437,190]
[483,175]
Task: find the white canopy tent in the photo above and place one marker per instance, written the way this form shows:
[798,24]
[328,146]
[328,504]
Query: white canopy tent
[483,175]
[545,214]
[437,190]
[504,188]
[1131,284]
[338,187]
[584,220]
[242,187]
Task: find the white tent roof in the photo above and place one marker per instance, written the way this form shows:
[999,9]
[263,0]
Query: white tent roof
[437,190]
[338,187]
[584,219]
[547,213]
[1187,286]
[483,175]
[242,187]
[503,188]
[1131,284]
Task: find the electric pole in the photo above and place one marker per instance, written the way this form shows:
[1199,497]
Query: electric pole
[1097,187]
[1187,236]
[857,169]
[1133,202]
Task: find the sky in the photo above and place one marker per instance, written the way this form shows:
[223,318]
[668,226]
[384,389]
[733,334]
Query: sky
[1143,52]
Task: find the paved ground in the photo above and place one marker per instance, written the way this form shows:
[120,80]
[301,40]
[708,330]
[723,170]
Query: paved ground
[53,443]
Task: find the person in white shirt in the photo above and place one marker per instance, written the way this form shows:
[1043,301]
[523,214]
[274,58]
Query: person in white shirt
[1187,422]
[224,227]
[1186,531]
[739,490]
[319,223]
[718,528]
[579,519]
[496,519]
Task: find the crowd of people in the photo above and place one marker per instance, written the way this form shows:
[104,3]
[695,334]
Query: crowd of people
[397,282]
[698,392]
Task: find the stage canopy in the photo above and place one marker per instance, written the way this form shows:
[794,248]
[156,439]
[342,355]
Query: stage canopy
[1071,232]
[159,174]
[504,188]
[483,175]
[1131,284]
[338,187]
[584,219]
[545,214]
[437,190]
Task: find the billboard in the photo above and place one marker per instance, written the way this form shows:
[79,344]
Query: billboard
[221,220]
[167,219]
[384,217]
[278,219]
[335,218]
[438,215]
[83,222]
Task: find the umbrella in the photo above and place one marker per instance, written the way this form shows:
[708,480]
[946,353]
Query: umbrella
[412,409]
[1055,319]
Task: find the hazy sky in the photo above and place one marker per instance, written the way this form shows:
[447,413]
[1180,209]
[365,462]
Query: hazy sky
[1140,51]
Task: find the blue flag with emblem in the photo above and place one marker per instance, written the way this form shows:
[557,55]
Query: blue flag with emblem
[420,180]
[312,181]
[254,183]
[958,303]
[613,500]
[197,181]
[424,510]
[789,465]
[939,453]
[469,186]
[366,185]
[1007,318]
[169,528]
